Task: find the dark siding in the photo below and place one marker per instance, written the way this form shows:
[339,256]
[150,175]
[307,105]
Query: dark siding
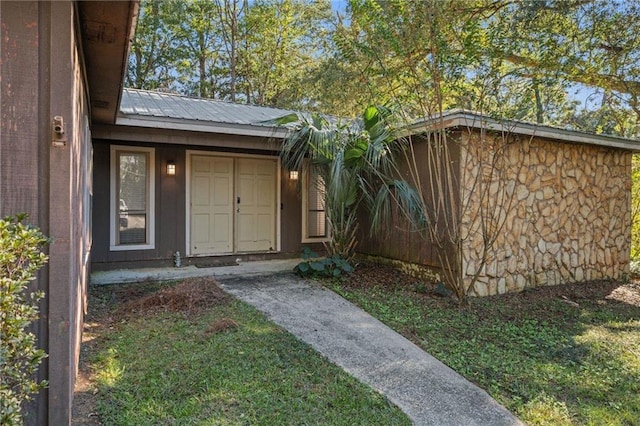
[170,202]
[100,201]
[69,182]
[291,229]
[24,153]
[20,186]
[170,206]
[400,241]
[49,183]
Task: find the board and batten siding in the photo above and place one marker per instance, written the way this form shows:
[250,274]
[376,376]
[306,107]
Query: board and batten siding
[171,199]
[402,242]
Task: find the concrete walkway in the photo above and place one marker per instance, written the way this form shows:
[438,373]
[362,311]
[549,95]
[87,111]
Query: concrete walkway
[428,391]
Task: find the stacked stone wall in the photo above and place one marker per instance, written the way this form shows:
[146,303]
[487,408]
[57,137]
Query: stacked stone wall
[546,212]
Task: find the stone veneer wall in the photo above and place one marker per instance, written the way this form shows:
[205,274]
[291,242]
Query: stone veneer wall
[559,213]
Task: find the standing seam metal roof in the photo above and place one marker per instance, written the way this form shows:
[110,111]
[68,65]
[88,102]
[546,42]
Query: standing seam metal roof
[172,111]
[166,105]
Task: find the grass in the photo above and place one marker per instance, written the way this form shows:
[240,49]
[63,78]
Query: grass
[170,368]
[548,359]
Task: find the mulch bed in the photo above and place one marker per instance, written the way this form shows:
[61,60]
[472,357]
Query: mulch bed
[368,275]
[190,296]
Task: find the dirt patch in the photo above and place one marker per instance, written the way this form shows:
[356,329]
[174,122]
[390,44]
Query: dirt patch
[220,326]
[84,409]
[189,297]
[629,293]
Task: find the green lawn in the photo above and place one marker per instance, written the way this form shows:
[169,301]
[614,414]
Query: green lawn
[562,356]
[158,367]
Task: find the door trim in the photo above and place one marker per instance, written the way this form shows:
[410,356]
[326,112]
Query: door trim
[187,191]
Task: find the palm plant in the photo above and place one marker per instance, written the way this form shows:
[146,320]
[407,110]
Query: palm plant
[357,162]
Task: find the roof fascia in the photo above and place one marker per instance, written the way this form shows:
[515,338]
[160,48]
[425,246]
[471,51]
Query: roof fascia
[478,121]
[198,126]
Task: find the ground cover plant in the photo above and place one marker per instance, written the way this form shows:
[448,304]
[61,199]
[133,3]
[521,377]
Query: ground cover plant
[187,353]
[564,355]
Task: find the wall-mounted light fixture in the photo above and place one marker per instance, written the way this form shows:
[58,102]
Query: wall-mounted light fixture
[171,168]
[58,136]
[293,175]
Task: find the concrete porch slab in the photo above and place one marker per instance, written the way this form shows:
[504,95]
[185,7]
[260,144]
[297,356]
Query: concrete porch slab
[244,269]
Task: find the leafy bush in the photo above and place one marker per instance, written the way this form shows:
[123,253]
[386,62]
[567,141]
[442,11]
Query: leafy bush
[20,257]
[313,265]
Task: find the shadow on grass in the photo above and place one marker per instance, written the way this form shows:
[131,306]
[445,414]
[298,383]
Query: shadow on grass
[553,355]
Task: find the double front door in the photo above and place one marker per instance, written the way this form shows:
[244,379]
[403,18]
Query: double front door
[233,205]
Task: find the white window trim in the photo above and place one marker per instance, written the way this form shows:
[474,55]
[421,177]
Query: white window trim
[151,201]
[305,210]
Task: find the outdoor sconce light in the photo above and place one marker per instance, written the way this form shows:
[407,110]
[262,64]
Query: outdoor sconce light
[171,168]
[293,175]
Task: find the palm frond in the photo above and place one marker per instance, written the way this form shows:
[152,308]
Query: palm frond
[356,160]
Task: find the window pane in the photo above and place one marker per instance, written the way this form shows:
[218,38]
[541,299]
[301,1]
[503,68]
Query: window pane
[316,223]
[132,191]
[316,217]
[133,228]
[316,193]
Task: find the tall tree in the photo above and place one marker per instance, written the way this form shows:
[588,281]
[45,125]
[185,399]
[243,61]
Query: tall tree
[265,52]
[197,44]
[285,40]
[151,59]
[234,40]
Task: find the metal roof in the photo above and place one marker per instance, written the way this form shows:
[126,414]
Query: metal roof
[476,120]
[166,110]
[160,110]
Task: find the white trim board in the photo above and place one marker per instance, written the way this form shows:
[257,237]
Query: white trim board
[151,199]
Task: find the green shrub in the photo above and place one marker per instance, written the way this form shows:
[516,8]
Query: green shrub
[20,257]
[313,265]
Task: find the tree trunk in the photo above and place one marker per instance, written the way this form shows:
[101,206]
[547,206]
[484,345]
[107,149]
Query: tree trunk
[202,68]
[539,107]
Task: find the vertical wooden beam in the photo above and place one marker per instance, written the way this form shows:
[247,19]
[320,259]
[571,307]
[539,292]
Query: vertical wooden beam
[24,154]
[61,257]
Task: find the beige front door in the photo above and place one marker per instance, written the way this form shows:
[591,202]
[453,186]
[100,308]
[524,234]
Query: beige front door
[211,205]
[233,205]
[256,204]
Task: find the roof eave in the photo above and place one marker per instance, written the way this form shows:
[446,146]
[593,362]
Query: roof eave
[478,121]
[200,126]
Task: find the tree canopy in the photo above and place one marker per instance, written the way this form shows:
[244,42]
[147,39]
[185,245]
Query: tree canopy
[513,58]
[261,52]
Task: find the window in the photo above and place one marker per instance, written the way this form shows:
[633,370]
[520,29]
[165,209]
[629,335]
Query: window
[314,217]
[132,198]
